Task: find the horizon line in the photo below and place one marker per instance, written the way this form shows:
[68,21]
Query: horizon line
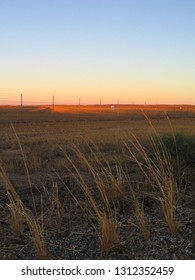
[98,104]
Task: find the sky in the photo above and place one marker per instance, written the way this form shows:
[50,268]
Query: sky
[131,51]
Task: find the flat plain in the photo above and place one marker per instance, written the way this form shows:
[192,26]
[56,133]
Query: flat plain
[90,182]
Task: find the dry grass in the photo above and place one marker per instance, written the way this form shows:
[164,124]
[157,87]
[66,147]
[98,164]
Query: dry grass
[16,219]
[109,233]
[160,175]
[54,213]
[142,221]
[105,215]
[20,212]
[100,163]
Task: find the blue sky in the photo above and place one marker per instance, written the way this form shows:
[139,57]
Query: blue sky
[132,50]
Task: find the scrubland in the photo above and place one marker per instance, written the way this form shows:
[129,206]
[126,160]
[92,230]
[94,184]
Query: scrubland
[101,185]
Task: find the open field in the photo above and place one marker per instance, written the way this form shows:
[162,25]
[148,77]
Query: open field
[91,112]
[89,182]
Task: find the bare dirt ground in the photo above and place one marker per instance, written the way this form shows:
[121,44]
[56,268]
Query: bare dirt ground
[45,141]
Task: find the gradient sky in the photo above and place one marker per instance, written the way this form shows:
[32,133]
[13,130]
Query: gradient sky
[128,50]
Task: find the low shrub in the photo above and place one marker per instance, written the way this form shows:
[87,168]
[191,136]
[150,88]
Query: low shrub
[180,149]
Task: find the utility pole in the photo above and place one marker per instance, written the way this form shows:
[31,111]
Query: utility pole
[118,107]
[53,103]
[21,109]
[79,108]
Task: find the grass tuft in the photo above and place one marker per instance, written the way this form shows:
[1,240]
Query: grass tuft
[99,201]
[158,169]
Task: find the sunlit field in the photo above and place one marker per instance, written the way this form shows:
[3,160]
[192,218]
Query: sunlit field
[97,182]
[92,112]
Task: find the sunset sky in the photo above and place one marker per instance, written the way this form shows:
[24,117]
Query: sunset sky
[140,51]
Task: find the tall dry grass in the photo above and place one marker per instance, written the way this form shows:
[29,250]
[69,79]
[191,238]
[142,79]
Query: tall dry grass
[97,197]
[157,166]
[139,212]
[19,214]
[54,213]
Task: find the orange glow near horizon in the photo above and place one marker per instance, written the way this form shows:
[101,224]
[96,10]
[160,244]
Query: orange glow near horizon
[91,94]
[129,51]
